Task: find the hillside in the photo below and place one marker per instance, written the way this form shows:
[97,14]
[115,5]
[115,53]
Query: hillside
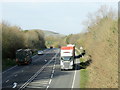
[49,33]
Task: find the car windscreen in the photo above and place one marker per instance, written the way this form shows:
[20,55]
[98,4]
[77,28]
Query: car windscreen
[67,58]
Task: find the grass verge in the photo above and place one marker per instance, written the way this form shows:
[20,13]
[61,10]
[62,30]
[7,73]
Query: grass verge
[7,63]
[83,73]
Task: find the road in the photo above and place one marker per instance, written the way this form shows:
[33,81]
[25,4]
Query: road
[44,72]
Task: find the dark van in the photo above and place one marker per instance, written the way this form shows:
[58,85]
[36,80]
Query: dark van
[23,56]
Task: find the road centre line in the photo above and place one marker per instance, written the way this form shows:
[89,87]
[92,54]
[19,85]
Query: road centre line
[53,67]
[52,76]
[50,81]
[36,74]
[7,81]
[47,87]
[53,71]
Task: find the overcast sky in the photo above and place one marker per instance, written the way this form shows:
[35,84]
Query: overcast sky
[61,17]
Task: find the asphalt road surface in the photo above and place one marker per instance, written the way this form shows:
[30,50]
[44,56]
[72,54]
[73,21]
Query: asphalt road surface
[44,72]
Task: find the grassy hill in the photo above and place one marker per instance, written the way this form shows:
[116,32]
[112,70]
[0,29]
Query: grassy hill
[49,33]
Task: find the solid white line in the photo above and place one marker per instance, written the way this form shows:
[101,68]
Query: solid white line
[16,65]
[74,79]
[10,69]
[36,74]
[34,56]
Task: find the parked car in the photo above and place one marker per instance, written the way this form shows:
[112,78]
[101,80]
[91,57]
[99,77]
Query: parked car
[23,56]
[40,52]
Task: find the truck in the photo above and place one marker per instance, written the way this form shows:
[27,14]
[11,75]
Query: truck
[23,56]
[67,57]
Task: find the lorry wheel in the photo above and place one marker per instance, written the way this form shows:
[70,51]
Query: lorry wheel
[73,68]
[18,64]
[62,69]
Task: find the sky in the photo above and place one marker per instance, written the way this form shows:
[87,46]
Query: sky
[61,17]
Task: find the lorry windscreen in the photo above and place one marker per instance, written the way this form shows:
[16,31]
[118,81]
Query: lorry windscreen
[67,58]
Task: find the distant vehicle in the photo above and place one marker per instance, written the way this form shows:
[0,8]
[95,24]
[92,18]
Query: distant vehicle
[23,56]
[51,47]
[67,57]
[40,52]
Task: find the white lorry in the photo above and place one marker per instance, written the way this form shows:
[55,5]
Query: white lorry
[67,57]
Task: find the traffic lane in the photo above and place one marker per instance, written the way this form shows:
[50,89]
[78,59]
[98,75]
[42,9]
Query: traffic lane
[34,58]
[46,51]
[43,79]
[62,79]
[18,68]
[25,72]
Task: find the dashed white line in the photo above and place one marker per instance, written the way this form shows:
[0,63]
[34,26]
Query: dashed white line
[53,68]
[50,81]
[47,87]
[7,81]
[15,75]
[52,76]
[10,69]
[22,70]
[36,74]
[53,71]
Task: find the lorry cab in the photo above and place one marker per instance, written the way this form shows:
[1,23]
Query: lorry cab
[67,57]
[23,56]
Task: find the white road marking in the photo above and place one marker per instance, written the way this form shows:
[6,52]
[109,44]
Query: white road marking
[53,68]
[53,71]
[14,66]
[44,83]
[22,70]
[9,69]
[50,81]
[7,81]
[15,75]
[45,60]
[74,79]
[52,76]
[47,87]
[36,74]
[14,85]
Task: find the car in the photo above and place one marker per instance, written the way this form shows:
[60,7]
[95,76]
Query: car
[40,52]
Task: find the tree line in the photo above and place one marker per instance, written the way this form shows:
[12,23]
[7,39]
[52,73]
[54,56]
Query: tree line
[14,38]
